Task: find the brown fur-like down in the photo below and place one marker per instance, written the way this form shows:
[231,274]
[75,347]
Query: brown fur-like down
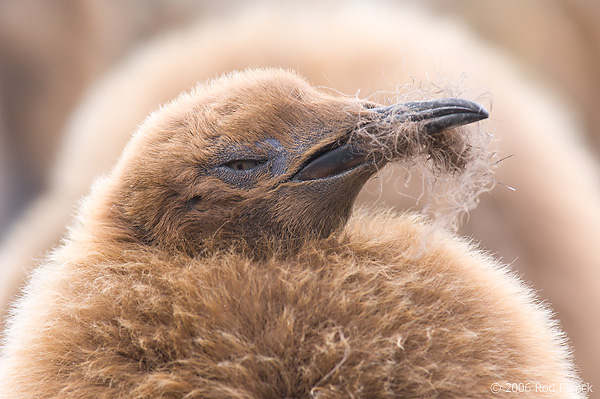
[134,305]
[368,314]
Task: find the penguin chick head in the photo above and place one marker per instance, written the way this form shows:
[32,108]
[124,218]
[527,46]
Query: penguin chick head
[260,158]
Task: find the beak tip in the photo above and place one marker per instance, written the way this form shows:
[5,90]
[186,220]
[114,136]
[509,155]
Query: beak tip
[484,113]
[476,116]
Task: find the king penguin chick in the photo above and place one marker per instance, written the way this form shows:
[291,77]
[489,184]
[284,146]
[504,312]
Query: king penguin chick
[219,260]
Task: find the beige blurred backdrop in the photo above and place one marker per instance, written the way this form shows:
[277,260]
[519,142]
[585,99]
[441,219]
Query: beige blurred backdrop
[77,76]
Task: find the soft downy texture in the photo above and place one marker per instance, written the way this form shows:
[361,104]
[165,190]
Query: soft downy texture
[366,313]
[547,229]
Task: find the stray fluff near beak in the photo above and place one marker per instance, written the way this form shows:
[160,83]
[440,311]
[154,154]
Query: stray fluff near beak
[455,162]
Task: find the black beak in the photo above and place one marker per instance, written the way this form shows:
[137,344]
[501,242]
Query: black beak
[434,116]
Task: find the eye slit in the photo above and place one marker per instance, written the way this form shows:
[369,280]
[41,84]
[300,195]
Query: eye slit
[243,164]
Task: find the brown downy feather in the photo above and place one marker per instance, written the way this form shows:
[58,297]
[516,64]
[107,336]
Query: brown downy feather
[546,229]
[364,314]
[367,312]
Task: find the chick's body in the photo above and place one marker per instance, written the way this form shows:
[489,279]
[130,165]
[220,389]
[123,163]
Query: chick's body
[374,312]
[215,261]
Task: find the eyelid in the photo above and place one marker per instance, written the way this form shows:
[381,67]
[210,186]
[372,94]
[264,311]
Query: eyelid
[244,164]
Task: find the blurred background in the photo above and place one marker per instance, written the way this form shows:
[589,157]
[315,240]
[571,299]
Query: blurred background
[76,77]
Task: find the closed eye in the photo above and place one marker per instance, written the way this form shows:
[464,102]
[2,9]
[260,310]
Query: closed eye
[243,164]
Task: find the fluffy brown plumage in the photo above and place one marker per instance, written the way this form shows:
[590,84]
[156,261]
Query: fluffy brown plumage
[179,280]
[543,230]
